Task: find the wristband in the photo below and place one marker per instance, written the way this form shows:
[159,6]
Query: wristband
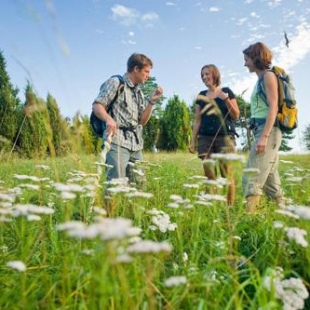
[151,103]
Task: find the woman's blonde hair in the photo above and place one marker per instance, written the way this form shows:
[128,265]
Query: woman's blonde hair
[215,73]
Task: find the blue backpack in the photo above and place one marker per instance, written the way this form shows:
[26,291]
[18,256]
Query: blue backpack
[98,126]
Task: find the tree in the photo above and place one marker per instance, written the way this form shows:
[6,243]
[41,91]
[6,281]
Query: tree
[59,126]
[285,140]
[151,130]
[82,133]
[36,134]
[242,126]
[9,105]
[306,137]
[175,125]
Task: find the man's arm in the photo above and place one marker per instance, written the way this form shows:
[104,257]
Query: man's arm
[147,112]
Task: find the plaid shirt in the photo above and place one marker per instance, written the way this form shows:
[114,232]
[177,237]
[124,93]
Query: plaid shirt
[126,111]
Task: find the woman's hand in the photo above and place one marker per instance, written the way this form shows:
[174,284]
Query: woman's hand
[191,147]
[261,144]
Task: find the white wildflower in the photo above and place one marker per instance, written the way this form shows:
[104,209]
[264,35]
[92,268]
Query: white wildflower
[291,292]
[186,185]
[33,217]
[6,204]
[162,221]
[67,195]
[148,246]
[295,179]
[286,161]
[204,203]
[154,212]
[228,157]
[173,205]
[185,257]
[139,172]
[18,265]
[116,228]
[88,252]
[205,196]
[100,211]
[30,186]
[298,235]
[277,224]
[176,197]
[303,212]
[6,211]
[140,194]
[71,225]
[7,197]
[237,238]
[175,281]
[68,187]
[121,189]
[124,258]
[287,213]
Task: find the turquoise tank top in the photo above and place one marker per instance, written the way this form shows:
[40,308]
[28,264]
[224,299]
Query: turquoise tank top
[259,108]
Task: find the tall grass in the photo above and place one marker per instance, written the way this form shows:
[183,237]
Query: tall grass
[165,246]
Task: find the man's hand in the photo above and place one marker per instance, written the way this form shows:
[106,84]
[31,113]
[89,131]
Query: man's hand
[156,95]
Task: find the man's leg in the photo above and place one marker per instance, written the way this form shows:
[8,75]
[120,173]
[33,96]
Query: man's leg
[117,159]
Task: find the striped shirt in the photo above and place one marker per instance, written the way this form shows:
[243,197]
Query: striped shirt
[126,111]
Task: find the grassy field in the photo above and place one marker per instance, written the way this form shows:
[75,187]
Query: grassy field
[166,245]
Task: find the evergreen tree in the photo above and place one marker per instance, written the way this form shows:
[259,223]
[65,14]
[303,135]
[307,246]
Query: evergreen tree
[285,140]
[9,105]
[36,135]
[82,134]
[59,126]
[306,137]
[175,126]
[151,130]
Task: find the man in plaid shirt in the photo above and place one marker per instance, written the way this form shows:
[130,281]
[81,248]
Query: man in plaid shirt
[128,114]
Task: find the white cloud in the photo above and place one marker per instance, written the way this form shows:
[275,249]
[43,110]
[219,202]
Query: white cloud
[149,16]
[125,15]
[254,14]
[128,16]
[285,57]
[214,9]
[168,3]
[299,47]
[274,3]
[241,21]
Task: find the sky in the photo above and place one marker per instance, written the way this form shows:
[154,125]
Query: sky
[68,48]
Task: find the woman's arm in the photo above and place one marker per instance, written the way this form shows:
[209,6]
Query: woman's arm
[231,104]
[271,87]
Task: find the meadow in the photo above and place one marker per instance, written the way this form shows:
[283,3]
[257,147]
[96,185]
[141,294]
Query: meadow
[166,244]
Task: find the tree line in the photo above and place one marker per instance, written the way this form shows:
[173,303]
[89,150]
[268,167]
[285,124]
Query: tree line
[36,129]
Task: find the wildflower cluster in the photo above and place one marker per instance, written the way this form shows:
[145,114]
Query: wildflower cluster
[292,292]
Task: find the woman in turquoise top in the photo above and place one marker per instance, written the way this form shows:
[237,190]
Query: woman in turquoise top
[264,152]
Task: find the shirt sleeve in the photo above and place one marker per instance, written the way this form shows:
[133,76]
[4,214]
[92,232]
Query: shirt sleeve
[230,92]
[108,91]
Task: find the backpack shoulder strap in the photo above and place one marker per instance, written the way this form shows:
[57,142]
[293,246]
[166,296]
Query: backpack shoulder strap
[261,88]
[118,91]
